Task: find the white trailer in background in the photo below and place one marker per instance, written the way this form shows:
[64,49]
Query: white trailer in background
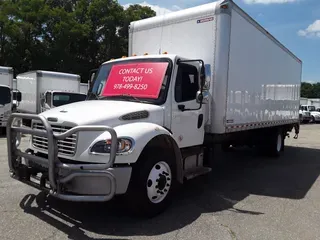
[84,88]
[152,120]
[43,90]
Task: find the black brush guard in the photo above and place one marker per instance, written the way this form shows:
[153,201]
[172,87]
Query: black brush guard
[52,162]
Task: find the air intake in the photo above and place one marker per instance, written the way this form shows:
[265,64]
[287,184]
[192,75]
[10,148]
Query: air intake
[135,115]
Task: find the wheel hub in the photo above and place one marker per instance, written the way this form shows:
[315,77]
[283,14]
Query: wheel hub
[162,181]
[159,182]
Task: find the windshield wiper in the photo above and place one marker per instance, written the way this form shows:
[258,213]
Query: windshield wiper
[133,97]
[93,94]
[124,96]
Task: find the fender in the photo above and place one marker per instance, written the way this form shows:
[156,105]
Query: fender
[143,133]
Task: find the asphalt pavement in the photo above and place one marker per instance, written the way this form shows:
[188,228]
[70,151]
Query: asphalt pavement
[245,197]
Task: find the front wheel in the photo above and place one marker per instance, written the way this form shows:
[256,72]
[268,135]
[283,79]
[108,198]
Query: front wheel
[152,183]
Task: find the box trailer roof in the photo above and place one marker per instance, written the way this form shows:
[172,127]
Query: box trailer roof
[41,73]
[204,10]
[6,69]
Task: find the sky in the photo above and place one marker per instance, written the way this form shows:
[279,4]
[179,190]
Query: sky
[295,23]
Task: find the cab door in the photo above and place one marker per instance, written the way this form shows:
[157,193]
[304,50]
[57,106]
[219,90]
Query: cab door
[187,124]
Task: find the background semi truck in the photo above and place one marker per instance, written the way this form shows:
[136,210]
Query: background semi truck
[195,78]
[43,90]
[84,88]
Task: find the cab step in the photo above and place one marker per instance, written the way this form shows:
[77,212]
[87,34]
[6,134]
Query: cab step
[192,173]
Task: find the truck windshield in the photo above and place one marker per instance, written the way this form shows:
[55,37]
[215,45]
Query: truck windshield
[60,99]
[5,95]
[141,80]
[311,108]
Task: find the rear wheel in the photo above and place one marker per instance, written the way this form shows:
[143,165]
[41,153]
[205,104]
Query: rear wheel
[226,147]
[152,183]
[275,144]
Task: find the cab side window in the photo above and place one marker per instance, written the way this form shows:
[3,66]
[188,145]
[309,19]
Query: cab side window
[186,83]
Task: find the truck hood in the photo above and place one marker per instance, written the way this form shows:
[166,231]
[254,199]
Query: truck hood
[105,112]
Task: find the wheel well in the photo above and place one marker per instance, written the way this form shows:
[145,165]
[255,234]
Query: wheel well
[161,142]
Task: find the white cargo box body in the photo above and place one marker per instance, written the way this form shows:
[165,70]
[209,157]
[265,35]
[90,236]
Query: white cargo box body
[255,80]
[84,88]
[33,84]
[6,76]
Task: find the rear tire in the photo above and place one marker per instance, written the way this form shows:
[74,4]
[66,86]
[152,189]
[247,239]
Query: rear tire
[152,183]
[275,144]
[226,147]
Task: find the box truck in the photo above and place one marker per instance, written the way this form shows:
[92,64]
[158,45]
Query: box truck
[6,101]
[151,120]
[43,90]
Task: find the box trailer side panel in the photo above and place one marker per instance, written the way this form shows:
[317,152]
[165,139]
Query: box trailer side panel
[6,76]
[197,33]
[27,85]
[58,82]
[263,78]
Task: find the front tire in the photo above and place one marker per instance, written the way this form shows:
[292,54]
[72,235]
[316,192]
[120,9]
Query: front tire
[152,183]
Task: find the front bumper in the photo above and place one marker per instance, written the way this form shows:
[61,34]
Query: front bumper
[306,118]
[73,182]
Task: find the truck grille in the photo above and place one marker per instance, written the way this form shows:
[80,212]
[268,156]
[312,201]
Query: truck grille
[65,147]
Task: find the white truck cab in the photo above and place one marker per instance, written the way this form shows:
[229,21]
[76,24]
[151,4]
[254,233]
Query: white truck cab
[151,121]
[309,113]
[56,98]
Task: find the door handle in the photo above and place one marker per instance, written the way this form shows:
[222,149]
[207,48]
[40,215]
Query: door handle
[200,120]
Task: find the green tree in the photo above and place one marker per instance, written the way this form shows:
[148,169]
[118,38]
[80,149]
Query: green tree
[64,35]
[132,13]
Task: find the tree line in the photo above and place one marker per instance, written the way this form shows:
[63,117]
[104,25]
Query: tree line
[72,36]
[310,90]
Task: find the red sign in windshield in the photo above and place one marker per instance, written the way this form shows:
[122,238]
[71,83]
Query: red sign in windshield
[139,80]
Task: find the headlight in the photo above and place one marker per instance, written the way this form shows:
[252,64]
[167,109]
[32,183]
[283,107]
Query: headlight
[103,146]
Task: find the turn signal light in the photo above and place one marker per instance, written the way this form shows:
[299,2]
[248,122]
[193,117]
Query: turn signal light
[224,6]
[145,54]
[165,52]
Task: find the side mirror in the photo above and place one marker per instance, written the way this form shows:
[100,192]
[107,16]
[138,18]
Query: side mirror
[202,76]
[92,77]
[19,96]
[42,102]
[202,97]
[199,97]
